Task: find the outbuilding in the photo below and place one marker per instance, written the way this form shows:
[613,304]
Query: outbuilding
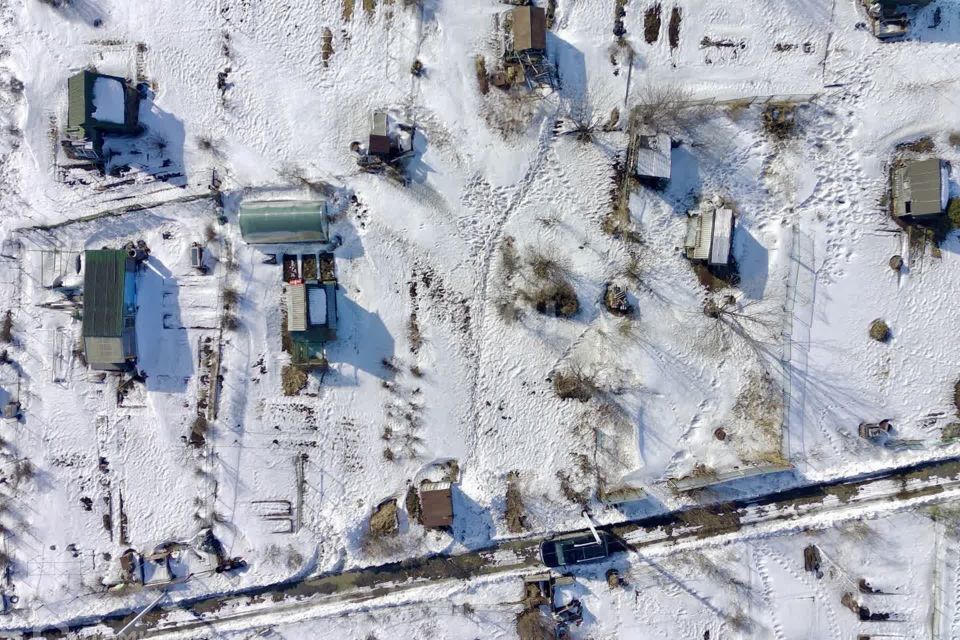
[436,504]
[284,222]
[529,29]
[109,309]
[710,235]
[920,188]
[97,105]
[653,156]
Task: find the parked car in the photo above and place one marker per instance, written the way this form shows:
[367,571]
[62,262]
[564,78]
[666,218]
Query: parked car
[574,548]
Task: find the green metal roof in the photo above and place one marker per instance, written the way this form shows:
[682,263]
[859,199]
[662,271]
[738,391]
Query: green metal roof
[80,121]
[283,221]
[103,293]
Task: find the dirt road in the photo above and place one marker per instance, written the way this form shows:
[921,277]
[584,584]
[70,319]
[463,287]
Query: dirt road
[806,507]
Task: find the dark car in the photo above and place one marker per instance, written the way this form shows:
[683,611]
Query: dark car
[574,548]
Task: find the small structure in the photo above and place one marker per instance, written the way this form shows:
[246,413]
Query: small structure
[875,431]
[525,54]
[196,257]
[110,308]
[284,222]
[920,189]
[311,306]
[98,105]
[888,16]
[379,142]
[389,143]
[529,30]
[710,235]
[436,504]
[653,157]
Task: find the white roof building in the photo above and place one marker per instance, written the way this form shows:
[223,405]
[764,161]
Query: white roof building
[653,156]
[710,235]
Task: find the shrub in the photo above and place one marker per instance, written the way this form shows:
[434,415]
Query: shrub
[516,520]
[879,330]
[574,384]
[954,139]
[553,298]
[293,380]
[953,212]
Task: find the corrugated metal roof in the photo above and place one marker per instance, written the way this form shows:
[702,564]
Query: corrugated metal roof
[77,87]
[529,28]
[920,188]
[103,282]
[722,237]
[283,221]
[653,156]
[379,127]
[296,307]
[702,224]
[436,504]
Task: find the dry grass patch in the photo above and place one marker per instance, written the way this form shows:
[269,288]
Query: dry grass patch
[879,331]
[574,384]
[516,519]
[293,380]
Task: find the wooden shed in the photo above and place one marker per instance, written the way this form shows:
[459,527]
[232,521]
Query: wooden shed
[529,29]
[920,189]
[436,504]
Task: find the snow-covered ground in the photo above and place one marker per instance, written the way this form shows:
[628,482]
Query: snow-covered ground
[438,357]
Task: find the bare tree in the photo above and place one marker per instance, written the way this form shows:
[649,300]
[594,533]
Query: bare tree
[660,107]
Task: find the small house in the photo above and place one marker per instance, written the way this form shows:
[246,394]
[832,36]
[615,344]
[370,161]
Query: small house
[283,222]
[436,504]
[710,235]
[109,309]
[98,105]
[920,189]
[529,30]
[379,142]
[653,156]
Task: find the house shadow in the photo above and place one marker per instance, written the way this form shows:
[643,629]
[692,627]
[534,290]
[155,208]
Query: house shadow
[157,151]
[84,11]
[934,23]
[415,168]
[571,69]
[472,523]
[753,261]
[163,347]
[685,182]
[363,343]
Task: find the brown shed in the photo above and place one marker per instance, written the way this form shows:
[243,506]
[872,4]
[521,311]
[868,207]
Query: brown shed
[436,504]
[529,29]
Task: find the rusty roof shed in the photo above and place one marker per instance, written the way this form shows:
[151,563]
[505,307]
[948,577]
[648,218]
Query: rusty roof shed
[436,504]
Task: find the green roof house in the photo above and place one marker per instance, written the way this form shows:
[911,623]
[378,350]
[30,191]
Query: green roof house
[109,309]
[98,104]
[312,315]
[920,189]
[284,222]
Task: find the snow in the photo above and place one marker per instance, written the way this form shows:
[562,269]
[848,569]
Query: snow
[317,301]
[109,103]
[430,363]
